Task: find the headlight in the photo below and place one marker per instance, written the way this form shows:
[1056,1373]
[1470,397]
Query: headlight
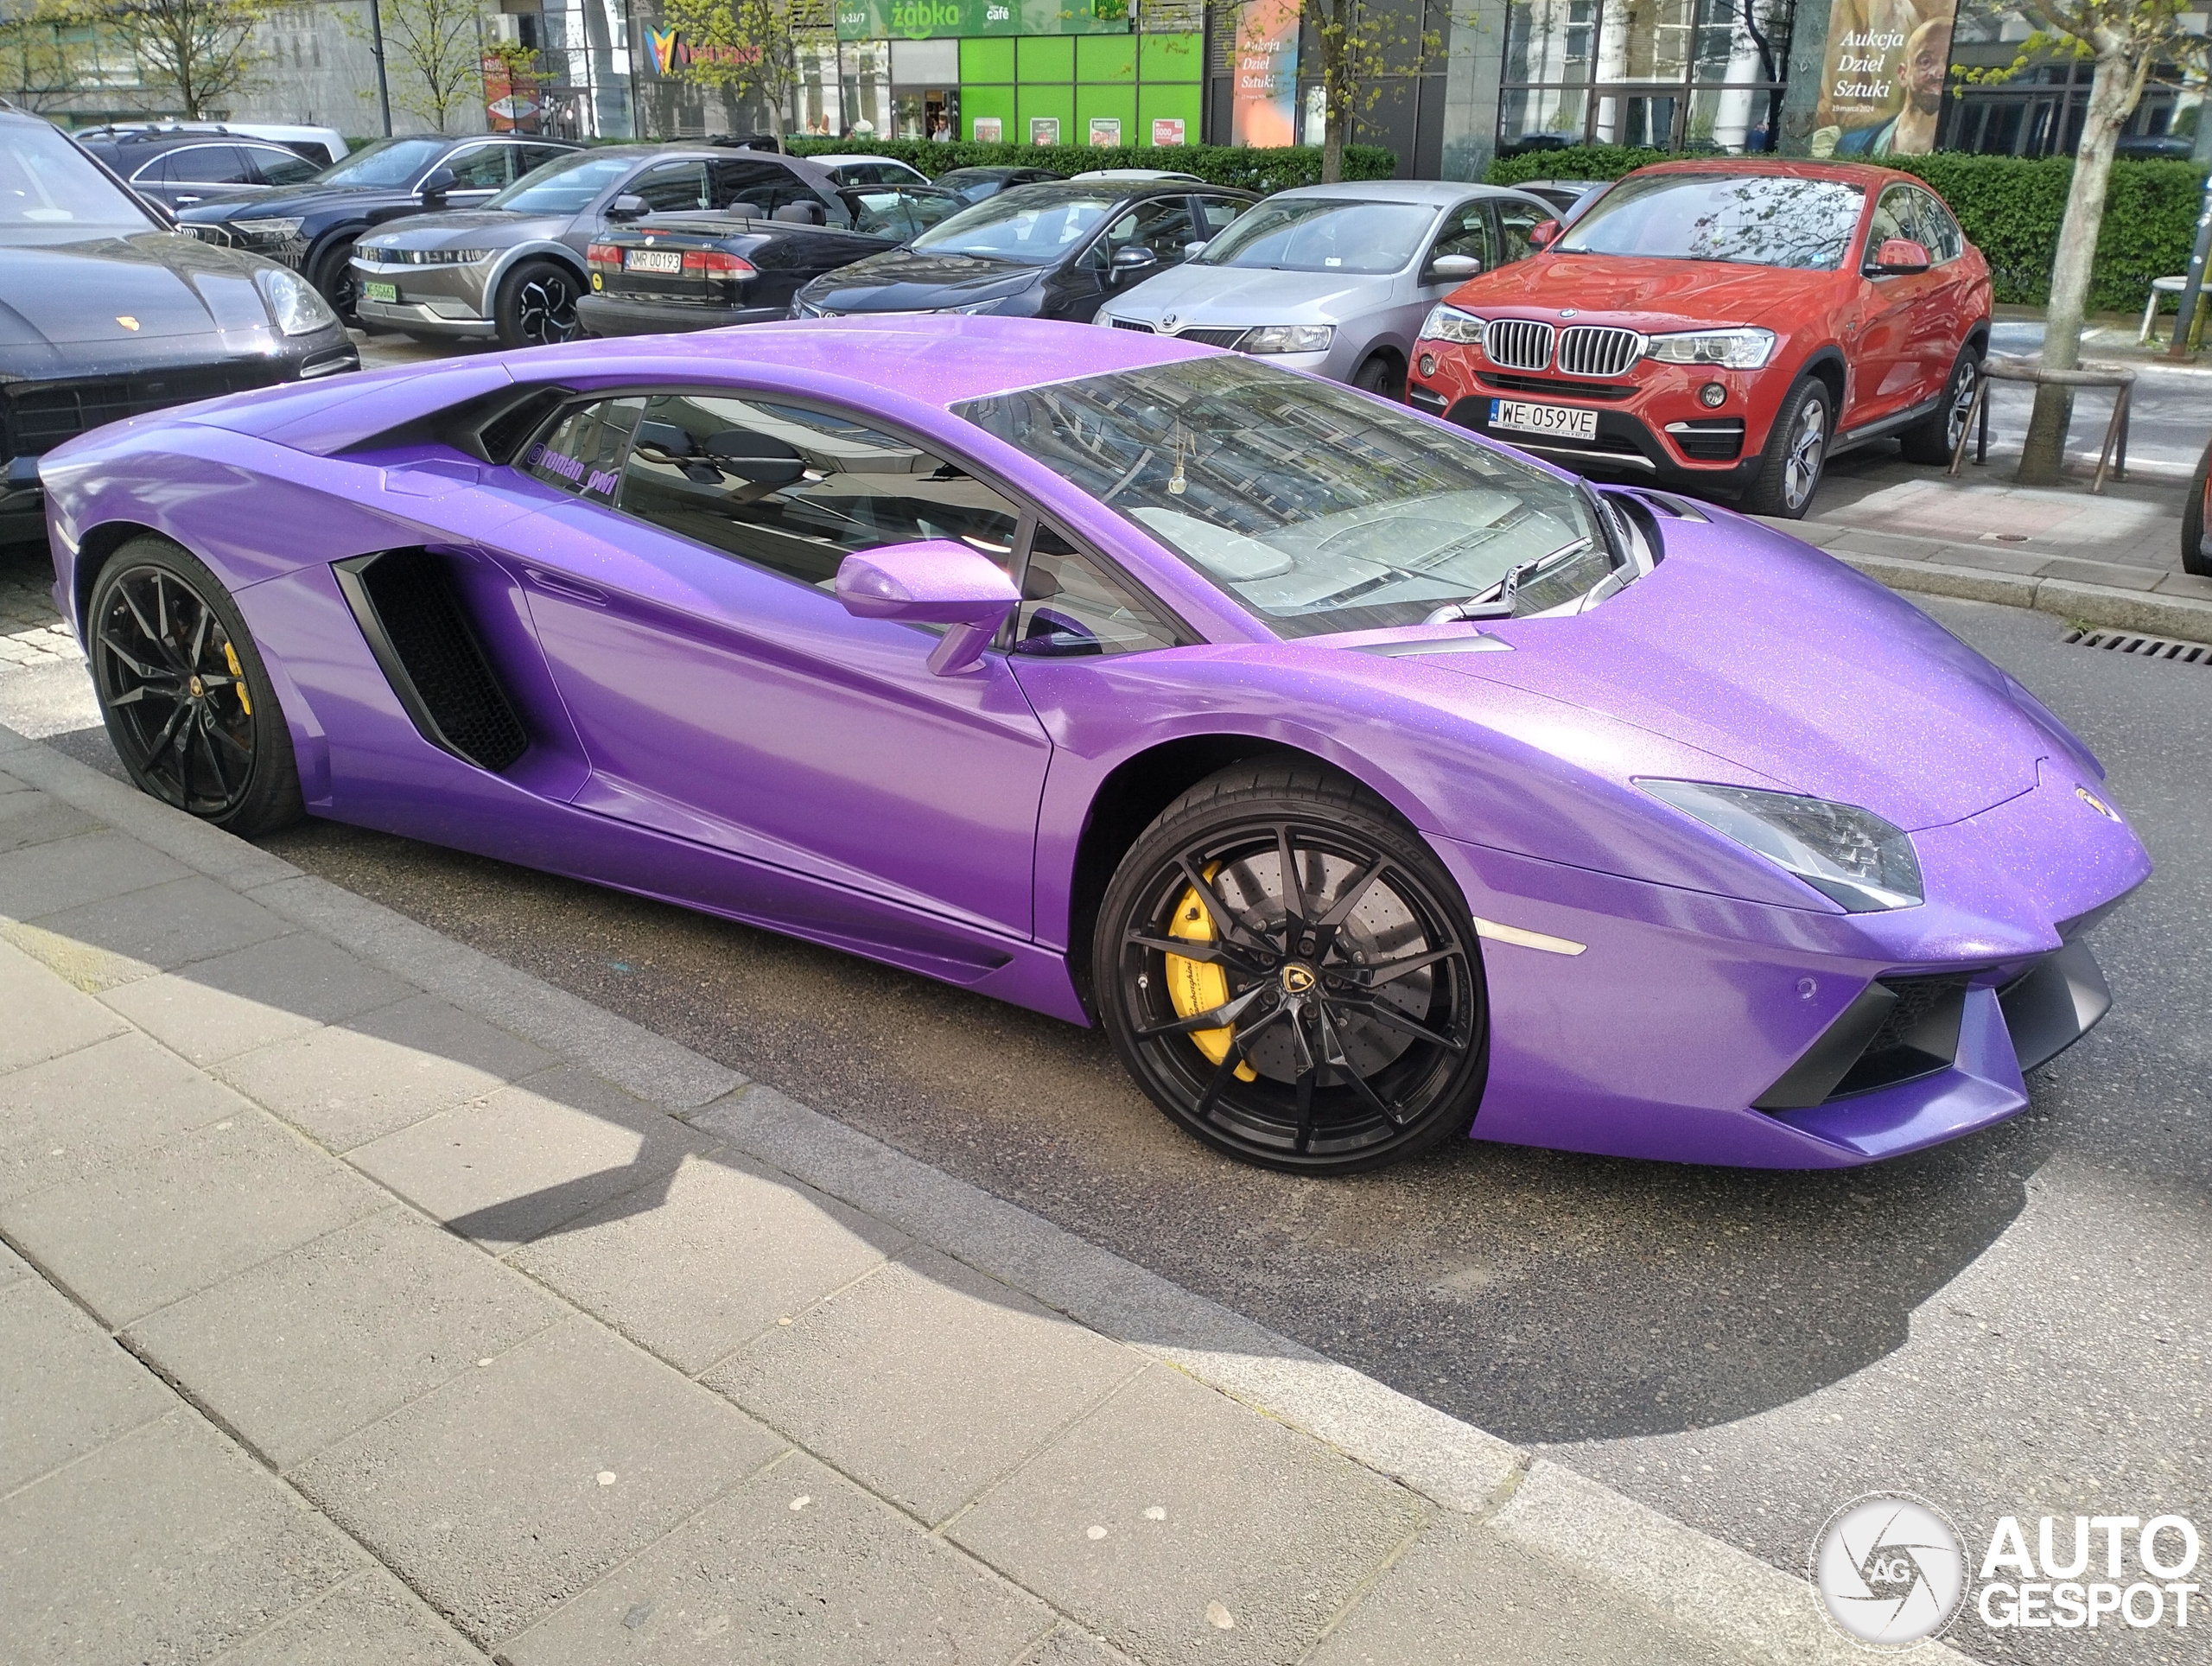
[1746,349]
[1450,324]
[294,303]
[276,231]
[1848,855]
[992,305]
[1288,338]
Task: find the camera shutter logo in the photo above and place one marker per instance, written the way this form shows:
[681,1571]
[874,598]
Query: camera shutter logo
[1889,1570]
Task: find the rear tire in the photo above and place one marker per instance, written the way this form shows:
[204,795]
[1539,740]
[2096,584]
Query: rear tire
[182,689]
[1358,1029]
[1933,441]
[1796,453]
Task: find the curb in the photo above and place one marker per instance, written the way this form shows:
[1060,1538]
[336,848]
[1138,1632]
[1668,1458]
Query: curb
[2182,617]
[1709,1586]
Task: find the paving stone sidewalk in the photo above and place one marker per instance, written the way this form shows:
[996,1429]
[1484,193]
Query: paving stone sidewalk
[368,1302]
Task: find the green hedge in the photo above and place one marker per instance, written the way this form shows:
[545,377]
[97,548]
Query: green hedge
[2009,208]
[1248,167]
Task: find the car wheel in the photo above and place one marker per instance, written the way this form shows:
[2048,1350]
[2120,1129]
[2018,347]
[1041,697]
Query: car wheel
[334,278]
[1380,372]
[536,305]
[1288,972]
[2195,555]
[1934,441]
[1797,451]
[187,703]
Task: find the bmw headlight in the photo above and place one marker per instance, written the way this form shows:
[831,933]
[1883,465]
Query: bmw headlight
[1288,338]
[294,303]
[1848,855]
[1744,349]
[1450,324]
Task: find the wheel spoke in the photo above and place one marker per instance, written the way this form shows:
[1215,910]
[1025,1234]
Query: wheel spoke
[1294,893]
[1218,1018]
[1333,1053]
[199,636]
[138,617]
[1348,899]
[1225,924]
[201,731]
[232,741]
[1390,971]
[137,666]
[1305,1081]
[1388,1016]
[1210,951]
[1225,1071]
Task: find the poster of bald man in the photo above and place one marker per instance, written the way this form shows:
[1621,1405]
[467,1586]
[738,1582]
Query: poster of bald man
[1882,89]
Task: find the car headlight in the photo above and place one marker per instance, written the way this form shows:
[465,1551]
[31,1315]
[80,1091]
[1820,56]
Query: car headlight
[1744,349]
[294,303]
[275,230]
[1449,324]
[1288,338]
[1848,855]
[973,306]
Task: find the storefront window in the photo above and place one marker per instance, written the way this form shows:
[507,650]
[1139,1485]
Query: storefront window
[1675,74]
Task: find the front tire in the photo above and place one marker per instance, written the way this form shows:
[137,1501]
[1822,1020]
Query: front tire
[536,305]
[334,278]
[1289,973]
[182,689]
[1933,441]
[1381,373]
[1795,455]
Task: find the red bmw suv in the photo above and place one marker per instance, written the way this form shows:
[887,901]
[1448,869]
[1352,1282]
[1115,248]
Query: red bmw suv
[1724,326]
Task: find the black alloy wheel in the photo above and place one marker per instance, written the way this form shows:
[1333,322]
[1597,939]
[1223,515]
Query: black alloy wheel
[1288,971]
[187,701]
[536,305]
[1934,441]
[336,281]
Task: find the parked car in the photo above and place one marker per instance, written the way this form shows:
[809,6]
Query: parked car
[320,145]
[974,184]
[312,226]
[178,166]
[108,313]
[1735,323]
[870,170]
[1336,279]
[1565,196]
[2197,519]
[1035,251]
[702,271]
[1363,779]
[516,268]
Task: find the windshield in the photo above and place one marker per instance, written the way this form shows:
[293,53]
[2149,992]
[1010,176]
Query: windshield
[1033,226]
[47,185]
[1754,219]
[387,162]
[1323,234]
[566,185]
[1313,506]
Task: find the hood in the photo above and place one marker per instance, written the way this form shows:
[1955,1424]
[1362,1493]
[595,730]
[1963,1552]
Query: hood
[1233,295]
[467,228]
[166,285]
[1655,292]
[305,201]
[1758,649]
[911,280]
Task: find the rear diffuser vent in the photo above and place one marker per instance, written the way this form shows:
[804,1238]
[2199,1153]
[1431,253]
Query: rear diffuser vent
[2147,647]
[415,625]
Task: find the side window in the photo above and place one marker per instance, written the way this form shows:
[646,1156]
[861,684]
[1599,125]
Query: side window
[537,156]
[1162,226]
[582,453]
[673,187]
[1215,215]
[796,490]
[487,168]
[207,164]
[1941,234]
[764,184]
[1467,230]
[1070,606]
[1515,219]
[1892,218]
[277,166]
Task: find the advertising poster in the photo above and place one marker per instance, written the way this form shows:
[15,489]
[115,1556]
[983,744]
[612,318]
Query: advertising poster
[1044,130]
[1167,129]
[1882,78]
[1105,129]
[1266,108]
[937,20]
[989,130]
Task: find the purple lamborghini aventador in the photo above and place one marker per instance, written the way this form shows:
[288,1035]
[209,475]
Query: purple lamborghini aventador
[1372,785]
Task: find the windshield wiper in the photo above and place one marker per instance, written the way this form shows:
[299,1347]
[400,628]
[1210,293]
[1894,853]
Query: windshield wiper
[1499,600]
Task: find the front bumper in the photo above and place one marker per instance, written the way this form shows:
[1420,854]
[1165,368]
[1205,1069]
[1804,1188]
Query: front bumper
[447,301]
[423,318]
[1625,444]
[607,314]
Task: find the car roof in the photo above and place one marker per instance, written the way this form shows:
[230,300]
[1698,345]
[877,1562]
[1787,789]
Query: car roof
[1845,173]
[1433,193]
[840,158]
[1101,188]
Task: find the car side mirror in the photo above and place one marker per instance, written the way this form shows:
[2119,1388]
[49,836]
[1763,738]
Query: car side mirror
[1453,269]
[1190,250]
[1544,233]
[935,581]
[628,206]
[1899,256]
[436,184]
[1134,258]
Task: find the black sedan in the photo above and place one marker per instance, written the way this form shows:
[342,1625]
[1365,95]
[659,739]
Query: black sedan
[1035,251]
[106,313]
[311,227]
[701,272]
[974,184]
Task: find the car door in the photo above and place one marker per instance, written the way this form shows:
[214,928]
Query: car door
[1213,215]
[671,188]
[722,694]
[1885,352]
[188,173]
[1517,218]
[1163,227]
[274,165]
[1947,309]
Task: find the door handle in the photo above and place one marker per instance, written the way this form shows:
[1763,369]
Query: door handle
[560,585]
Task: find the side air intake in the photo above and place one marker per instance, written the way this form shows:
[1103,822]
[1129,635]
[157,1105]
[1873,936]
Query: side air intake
[415,626]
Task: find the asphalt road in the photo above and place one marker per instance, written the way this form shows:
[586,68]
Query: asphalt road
[2018,1323]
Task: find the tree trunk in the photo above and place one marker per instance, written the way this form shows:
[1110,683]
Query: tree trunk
[2113,94]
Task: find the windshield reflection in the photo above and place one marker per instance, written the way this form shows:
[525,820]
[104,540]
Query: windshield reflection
[1754,219]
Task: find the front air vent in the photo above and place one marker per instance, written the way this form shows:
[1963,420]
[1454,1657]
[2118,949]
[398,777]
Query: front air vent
[1129,324]
[1214,337]
[1517,344]
[1900,1028]
[413,620]
[1593,350]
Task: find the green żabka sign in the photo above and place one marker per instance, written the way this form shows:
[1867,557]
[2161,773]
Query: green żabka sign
[923,20]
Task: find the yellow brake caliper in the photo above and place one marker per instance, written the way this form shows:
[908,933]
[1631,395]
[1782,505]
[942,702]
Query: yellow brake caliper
[1198,986]
[232,654]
